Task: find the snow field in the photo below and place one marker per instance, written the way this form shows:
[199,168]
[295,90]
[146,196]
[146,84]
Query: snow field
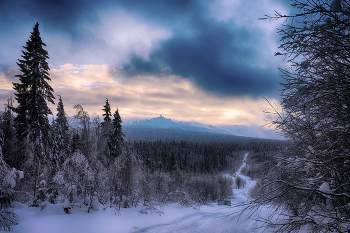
[53,219]
[209,218]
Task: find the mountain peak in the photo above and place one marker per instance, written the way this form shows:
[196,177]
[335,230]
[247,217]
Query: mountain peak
[160,122]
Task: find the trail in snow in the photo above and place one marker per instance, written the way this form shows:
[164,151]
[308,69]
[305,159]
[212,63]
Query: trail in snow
[241,194]
[212,218]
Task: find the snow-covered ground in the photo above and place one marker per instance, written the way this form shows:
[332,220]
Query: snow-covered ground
[210,218]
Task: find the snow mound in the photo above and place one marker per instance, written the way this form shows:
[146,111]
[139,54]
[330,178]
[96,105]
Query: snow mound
[51,209]
[67,204]
[143,210]
[18,205]
[325,188]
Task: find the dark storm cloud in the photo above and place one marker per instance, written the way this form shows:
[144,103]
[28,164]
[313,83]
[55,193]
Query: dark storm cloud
[139,66]
[59,14]
[64,15]
[18,17]
[219,57]
[160,9]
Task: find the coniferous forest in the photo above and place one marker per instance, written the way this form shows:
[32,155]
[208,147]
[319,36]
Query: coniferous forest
[84,161]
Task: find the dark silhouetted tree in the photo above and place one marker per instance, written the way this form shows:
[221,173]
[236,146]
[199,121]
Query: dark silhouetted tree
[33,91]
[106,129]
[32,124]
[116,140]
[107,112]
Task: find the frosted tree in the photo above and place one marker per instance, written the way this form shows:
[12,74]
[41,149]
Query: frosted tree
[9,147]
[8,179]
[126,179]
[79,180]
[95,131]
[116,139]
[156,188]
[311,183]
[83,119]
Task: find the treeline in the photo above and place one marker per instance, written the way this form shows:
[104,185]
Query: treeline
[201,157]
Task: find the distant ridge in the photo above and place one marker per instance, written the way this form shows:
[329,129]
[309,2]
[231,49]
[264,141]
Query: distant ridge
[166,129]
[160,122]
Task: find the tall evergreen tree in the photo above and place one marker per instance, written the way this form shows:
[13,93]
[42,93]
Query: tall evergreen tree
[61,136]
[33,91]
[107,113]
[32,124]
[106,129]
[116,139]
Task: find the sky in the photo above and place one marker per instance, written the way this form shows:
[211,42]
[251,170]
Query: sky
[189,60]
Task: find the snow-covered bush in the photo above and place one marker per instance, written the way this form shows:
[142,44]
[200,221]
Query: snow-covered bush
[183,199]
[156,188]
[7,183]
[67,206]
[126,179]
[101,179]
[151,207]
[225,187]
[203,188]
[79,179]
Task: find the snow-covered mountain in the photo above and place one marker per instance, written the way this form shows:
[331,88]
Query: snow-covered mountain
[161,122]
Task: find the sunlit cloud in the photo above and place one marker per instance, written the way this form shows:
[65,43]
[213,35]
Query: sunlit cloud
[232,113]
[149,96]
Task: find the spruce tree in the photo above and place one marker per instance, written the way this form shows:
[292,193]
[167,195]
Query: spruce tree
[61,137]
[107,113]
[106,129]
[33,91]
[116,139]
[32,124]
